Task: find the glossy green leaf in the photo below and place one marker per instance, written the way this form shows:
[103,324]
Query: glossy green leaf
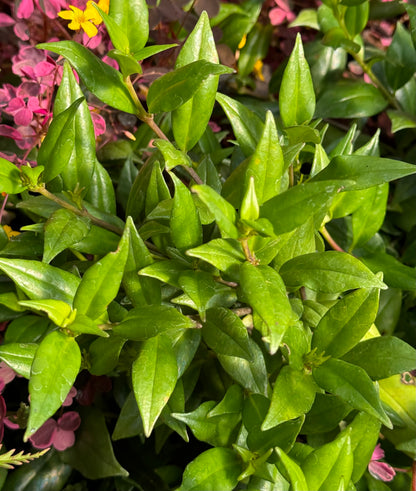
[145,322]
[93,454]
[157,189]
[296,95]
[224,332]
[57,147]
[100,192]
[346,322]
[360,172]
[224,213]
[293,395]
[327,466]
[295,206]
[400,120]
[104,354]
[214,469]
[364,432]
[100,79]
[19,356]
[171,154]
[185,343]
[82,160]
[185,225]
[38,280]
[154,376]
[225,254]
[10,178]
[131,17]
[247,126]
[137,196]
[368,218]
[251,375]
[101,282]
[190,120]
[62,230]
[325,415]
[329,271]
[382,357]
[356,18]
[292,471]
[265,291]
[215,423]
[175,88]
[129,422]
[400,61]
[396,274]
[51,377]
[57,310]
[283,435]
[167,271]
[255,48]
[84,325]
[27,329]
[350,100]
[352,384]
[336,39]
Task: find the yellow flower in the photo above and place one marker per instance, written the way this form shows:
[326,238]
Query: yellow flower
[93,14]
[258,70]
[81,19]
[9,232]
[242,42]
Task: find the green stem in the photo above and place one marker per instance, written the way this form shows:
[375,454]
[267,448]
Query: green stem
[249,256]
[330,240]
[82,213]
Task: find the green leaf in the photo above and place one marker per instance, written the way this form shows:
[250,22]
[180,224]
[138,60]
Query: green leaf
[368,218]
[57,147]
[336,39]
[255,48]
[19,356]
[382,357]
[224,332]
[57,310]
[62,230]
[38,280]
[99,78]
[293,395]
[325,415]
[167,271]
[283,435]
[101,282]
[190,120]
[224,213]
[104,354]
[185,343]
[185,225]
[131,18]
[265,291]
[10,178]
[172,155]
[129,422]
[175,88]
[400,61]
[327,466]
[350,100]
[81,162]
[215,469]
[93,454]
[329,271]
[27,329]
[396,274]
[296,95]
[215,423]
[84,325]
[400,120]
[293,471]
[54,369]
[145,322]
[352,384]
[356,18]
[247,126]
[295,206]
[154,376]
[346,322]
[356,172]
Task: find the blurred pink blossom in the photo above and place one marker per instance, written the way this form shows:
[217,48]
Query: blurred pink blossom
[59,434]
[49,7]
[281,13]
[380,470]
[70,397]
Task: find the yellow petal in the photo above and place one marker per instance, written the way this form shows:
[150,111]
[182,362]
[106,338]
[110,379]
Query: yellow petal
[74,25]
[9,232]
[242,42]
[66,14]
[104,5]
[89,28]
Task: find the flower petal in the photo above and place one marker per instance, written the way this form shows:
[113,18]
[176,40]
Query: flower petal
[44,436]
[381,471]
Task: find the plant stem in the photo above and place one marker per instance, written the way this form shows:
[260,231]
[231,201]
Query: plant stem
[330,240]
[82,213]
[249,256]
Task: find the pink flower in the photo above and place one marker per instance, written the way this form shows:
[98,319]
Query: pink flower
[98,122]
[70,397]
[281,13]
[7,374]
[59,433]
[49,7]
[22,111]
[380,470]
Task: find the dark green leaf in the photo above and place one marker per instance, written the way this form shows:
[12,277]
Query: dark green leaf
[400,61]
[129,422]
[10,178]
[356,17]
[167,271]
[55,366]
[326,413]
[396,274]
[213,470]
[336,39]
[352,384]
[382,357]
[175,88]
[296,95]
[154,376]
[100,79]
[293,472]
[19,356]
[104,354]
[329,272]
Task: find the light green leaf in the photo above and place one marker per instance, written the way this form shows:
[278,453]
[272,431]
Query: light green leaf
[293,471]
[131,18]
[57,310]
[10,181]
[19,356]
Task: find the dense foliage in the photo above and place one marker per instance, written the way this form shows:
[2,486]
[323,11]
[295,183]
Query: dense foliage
[207,250]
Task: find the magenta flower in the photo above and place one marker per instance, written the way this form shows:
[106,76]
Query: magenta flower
[50,8]
[22,111]
[380,470]
[70,397]
[281,13]
[59,434]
